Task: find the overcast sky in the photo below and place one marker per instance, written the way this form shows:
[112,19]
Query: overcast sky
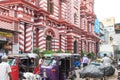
[107,8]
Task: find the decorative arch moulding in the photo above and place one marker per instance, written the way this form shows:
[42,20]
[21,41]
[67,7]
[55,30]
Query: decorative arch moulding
[50,32]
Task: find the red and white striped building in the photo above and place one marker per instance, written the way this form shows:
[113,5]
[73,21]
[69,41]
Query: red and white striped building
[66,25]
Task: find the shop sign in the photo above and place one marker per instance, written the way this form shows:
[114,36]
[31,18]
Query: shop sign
[6,35]
[3,39]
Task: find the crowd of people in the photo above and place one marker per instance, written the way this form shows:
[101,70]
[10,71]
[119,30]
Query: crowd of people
[106,60]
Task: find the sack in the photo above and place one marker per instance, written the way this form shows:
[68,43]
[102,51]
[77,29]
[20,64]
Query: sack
[91,71]
[108,70]
[0,59]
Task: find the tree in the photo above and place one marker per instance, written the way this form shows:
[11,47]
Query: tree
[59,51]
[37,51]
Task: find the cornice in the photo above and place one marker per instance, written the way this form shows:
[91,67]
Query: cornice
[12,2]
[8,19]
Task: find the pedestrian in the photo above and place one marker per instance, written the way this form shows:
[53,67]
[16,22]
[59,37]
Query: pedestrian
[106,60]
[1,54]
[85,60]
[5,69]
[41,60]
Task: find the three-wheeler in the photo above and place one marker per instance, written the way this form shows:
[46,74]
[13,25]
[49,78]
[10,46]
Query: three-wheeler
[23,63]
[58,66]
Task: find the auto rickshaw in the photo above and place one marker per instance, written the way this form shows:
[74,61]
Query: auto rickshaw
[58,66]
[23,63]
[77,60]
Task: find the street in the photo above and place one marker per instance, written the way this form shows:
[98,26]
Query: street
[113,77]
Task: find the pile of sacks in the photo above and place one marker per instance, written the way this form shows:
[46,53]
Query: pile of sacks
[93,71]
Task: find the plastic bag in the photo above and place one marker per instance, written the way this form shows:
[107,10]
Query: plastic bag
[91,71]
[108,70]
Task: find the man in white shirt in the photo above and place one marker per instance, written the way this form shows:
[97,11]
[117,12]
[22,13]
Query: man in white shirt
[85,61]
[5,69]
[106,60]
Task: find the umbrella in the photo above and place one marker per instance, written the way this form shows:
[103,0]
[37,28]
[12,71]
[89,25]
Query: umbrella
[91,71]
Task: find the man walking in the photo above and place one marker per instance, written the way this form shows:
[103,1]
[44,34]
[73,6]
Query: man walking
[85,61]
[106,60]
[5,69]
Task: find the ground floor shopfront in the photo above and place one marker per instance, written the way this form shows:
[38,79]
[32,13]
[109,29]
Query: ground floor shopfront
[6,40]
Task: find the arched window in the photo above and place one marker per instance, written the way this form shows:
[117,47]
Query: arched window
[75,46]
[48,43]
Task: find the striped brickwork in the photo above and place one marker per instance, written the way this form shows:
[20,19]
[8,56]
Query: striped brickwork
[66,26]
[63,43]
[35,33]
[56,10]
[63,38]
[70,43]
[55,44]
[41,40]
[79,45]
[83,45]
[4,25]
[63,10]
[86,46]
[43,4]
[87,19]
[28,39]
[90,47]
[69,14]
[21,37]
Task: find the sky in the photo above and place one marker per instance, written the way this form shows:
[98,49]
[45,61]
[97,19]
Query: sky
[107,8]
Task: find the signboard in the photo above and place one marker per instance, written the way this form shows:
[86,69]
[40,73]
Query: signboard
[3,39]
[97,26]
[5,35]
